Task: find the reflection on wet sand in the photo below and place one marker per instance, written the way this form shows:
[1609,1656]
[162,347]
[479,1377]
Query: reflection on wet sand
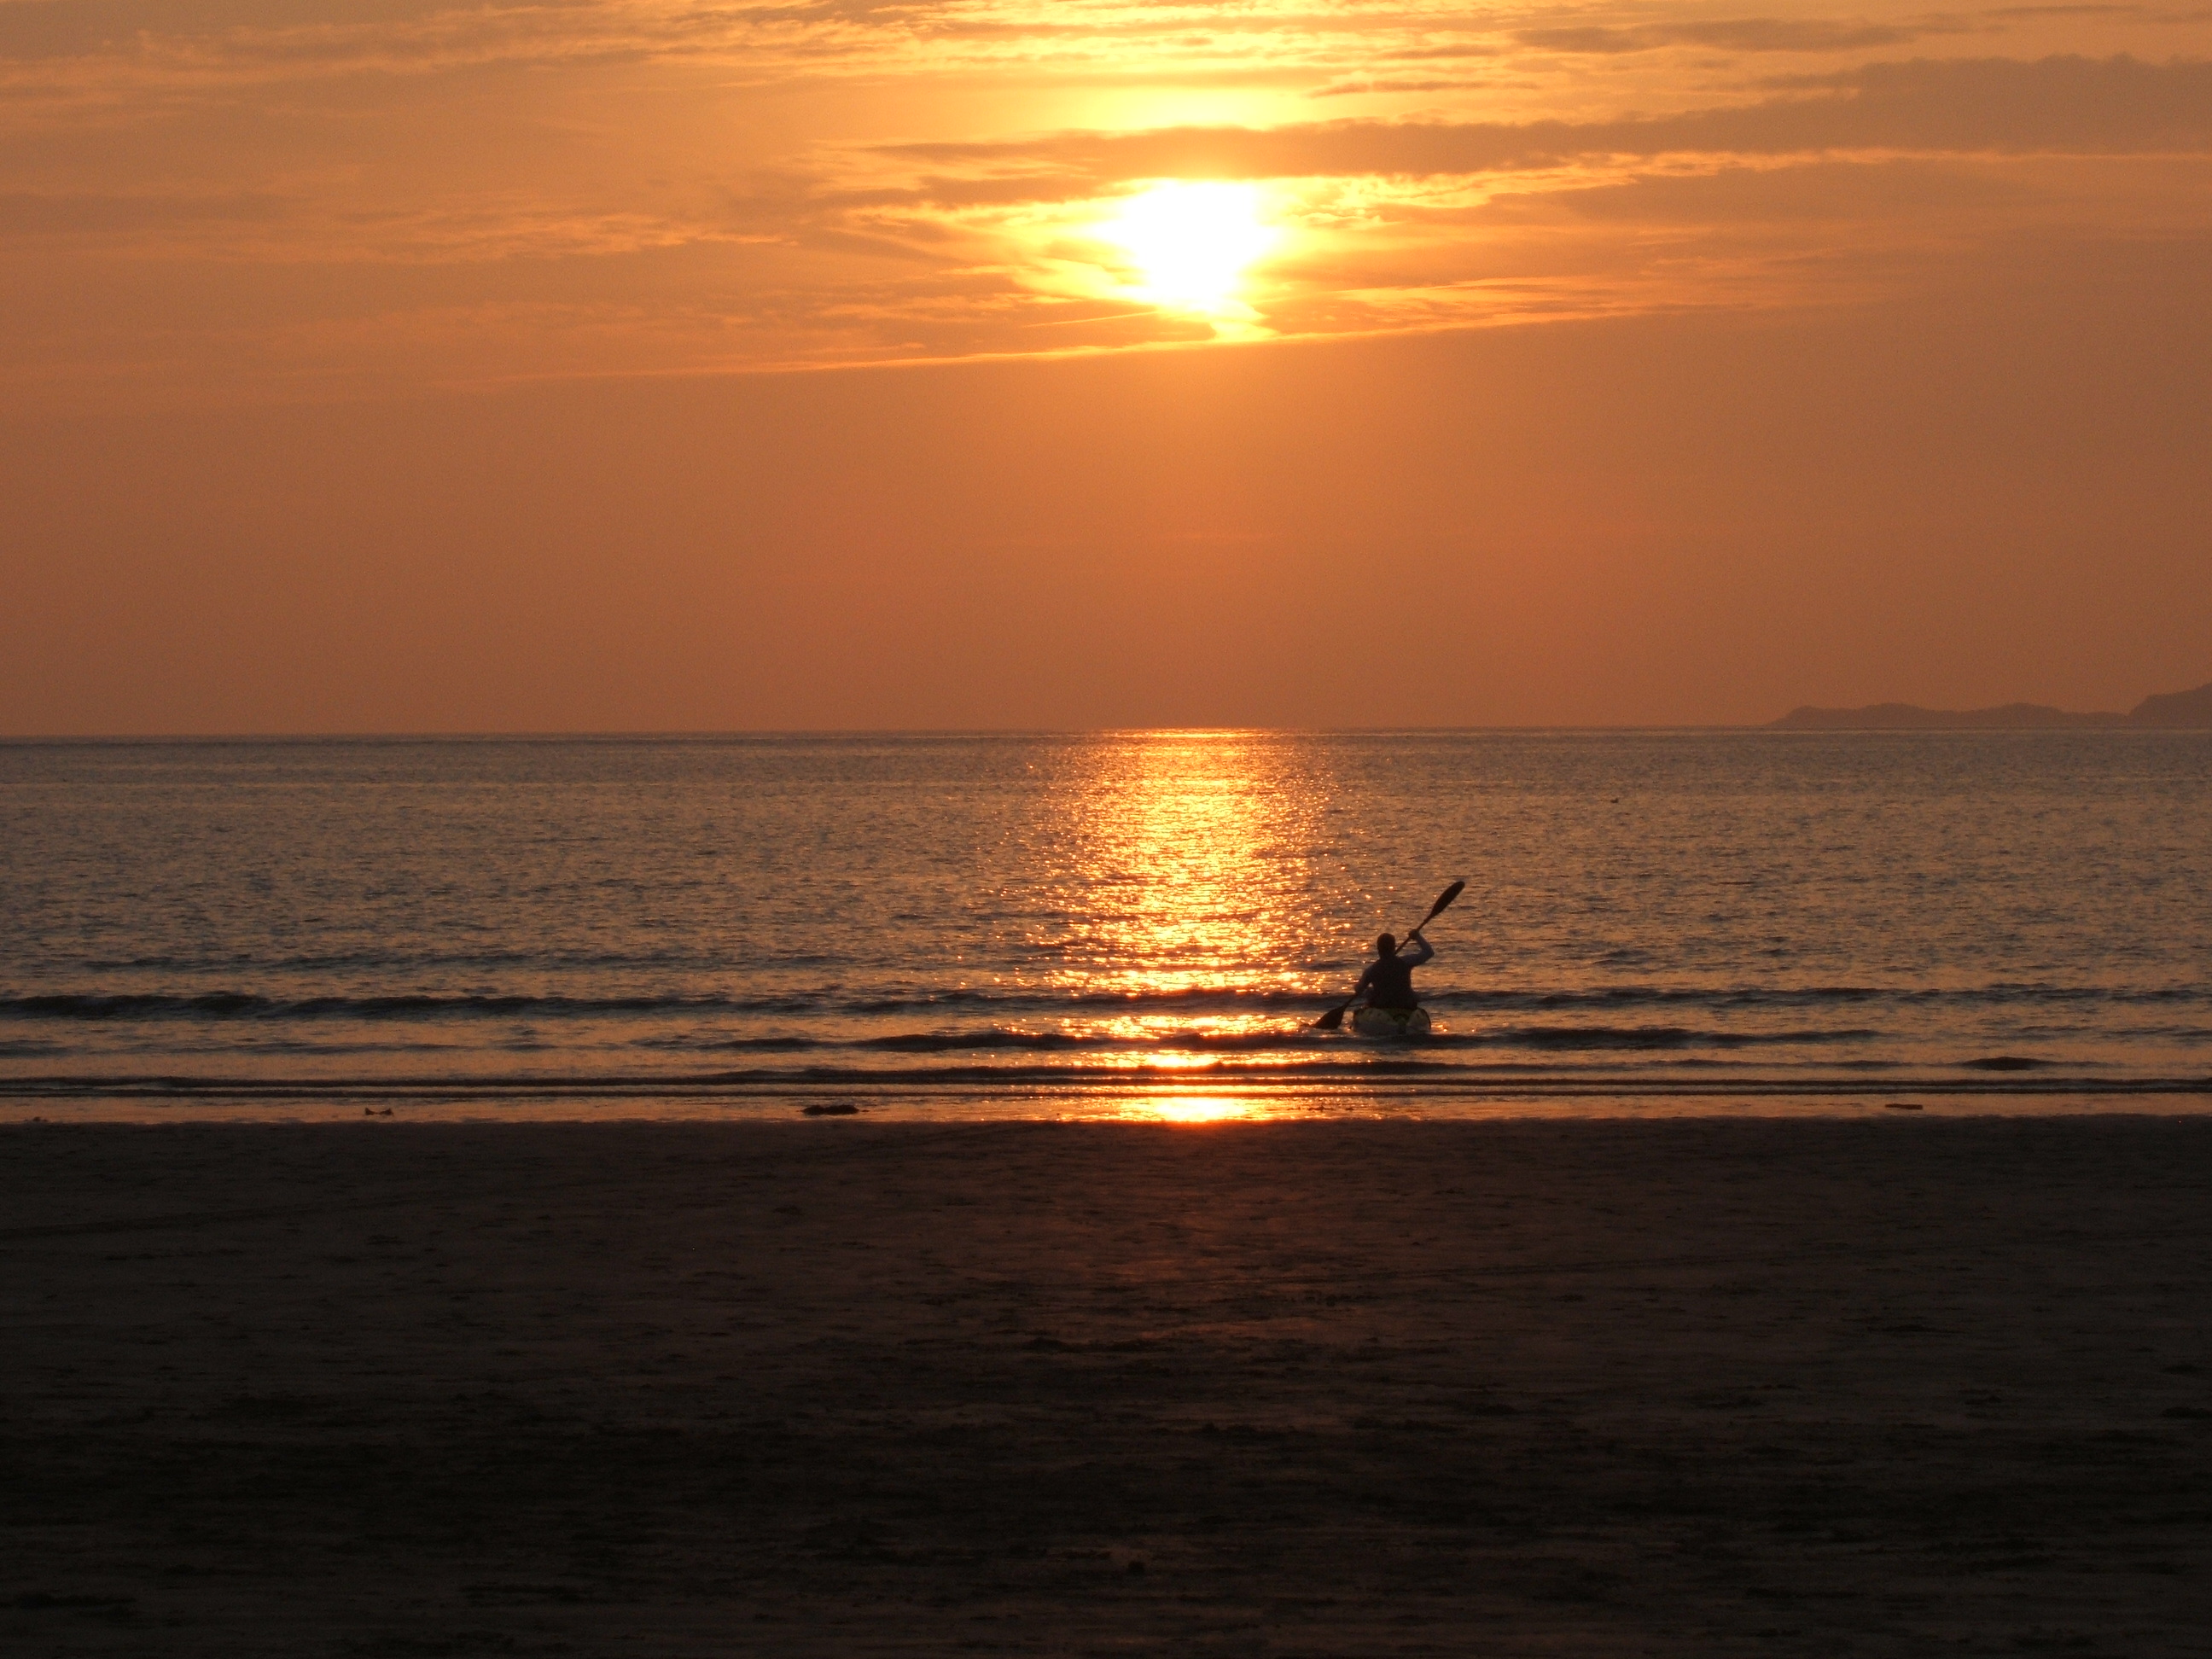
[1191,1108]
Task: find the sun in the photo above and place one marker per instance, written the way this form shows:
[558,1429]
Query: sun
[1190,244]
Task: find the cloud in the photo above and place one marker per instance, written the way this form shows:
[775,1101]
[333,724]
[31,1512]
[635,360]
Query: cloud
[1739,35]
[255,40]
[24,213]
[31,30]
[1369,85]
[2056,106]
[289,188]
[1780,198]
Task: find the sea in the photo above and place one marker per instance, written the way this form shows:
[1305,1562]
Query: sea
[1104,924]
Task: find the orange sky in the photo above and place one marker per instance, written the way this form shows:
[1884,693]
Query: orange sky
[378,365]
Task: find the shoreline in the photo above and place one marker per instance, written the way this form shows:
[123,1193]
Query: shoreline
[1179,1096]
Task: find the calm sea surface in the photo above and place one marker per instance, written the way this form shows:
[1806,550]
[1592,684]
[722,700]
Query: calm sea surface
[1017,923]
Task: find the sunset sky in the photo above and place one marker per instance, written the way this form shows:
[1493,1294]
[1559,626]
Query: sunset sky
[372,365]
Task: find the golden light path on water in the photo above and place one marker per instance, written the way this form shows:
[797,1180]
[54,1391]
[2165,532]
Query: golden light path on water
[1191,878]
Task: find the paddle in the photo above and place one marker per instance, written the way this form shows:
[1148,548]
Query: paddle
[1334,1017]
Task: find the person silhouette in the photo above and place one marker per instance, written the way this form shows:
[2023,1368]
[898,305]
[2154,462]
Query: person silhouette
[1387,981]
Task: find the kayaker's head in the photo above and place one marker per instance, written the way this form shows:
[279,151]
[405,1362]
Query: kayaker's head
[1387,946]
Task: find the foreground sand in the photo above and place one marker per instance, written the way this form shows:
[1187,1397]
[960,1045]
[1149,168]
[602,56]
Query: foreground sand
[1901,1387]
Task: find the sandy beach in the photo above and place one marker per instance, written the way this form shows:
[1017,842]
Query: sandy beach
[1901,1387]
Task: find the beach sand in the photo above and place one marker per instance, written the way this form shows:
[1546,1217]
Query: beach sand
[1900,1386]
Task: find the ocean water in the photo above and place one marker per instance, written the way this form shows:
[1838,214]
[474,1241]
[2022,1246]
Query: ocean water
[1020,923]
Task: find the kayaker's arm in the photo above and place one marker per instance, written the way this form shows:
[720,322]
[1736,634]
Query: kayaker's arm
[1427,951]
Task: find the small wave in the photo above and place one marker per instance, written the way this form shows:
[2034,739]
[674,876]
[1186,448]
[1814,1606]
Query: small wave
[1651,1036]
[1351,1067]
[1196,998]
[934,1042]
[428,963]
[1044,1004]
[1513,1036]
[689,1043]
[1294,1036]
[247,1004]
[1730,998]
[1711,1076]
[990,1039]
[250,1004]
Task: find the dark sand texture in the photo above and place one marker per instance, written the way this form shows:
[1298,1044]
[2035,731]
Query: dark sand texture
[1905,1386]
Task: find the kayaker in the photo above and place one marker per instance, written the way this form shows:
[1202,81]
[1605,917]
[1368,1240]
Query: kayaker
[1387,981]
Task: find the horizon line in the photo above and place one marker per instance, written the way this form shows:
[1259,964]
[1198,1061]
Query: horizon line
[1779,727]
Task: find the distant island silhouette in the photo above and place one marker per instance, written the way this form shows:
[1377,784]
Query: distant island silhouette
[2168,709]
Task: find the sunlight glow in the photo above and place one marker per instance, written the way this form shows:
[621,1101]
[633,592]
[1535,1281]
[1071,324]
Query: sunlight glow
[1191,1108]
[1191,243]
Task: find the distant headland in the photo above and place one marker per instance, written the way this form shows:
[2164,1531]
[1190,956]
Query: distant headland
[2170,708]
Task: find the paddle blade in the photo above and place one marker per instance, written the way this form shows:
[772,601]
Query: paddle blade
[1332,1020]
[1443,902]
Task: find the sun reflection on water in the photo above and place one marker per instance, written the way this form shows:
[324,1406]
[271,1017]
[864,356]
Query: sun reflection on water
[1189,893]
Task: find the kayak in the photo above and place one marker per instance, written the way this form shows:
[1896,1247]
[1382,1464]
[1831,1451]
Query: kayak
[1390,1024]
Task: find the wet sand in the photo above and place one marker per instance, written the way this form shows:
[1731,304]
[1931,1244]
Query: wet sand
[1897,1387]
